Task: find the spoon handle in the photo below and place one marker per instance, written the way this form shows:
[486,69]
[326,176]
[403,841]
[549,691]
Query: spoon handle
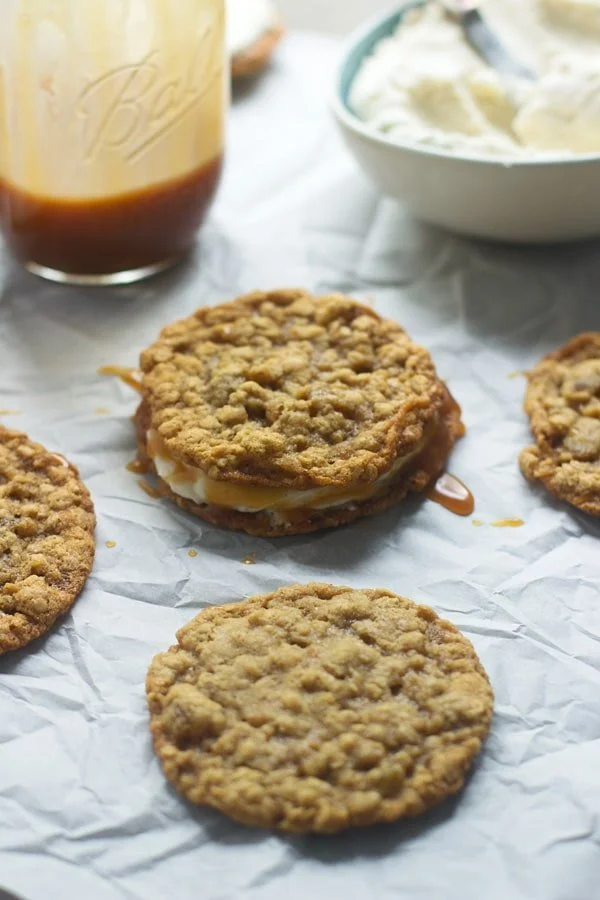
[483,39]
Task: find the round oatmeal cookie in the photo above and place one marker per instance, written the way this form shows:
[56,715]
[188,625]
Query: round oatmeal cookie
[563,403]
[46,538]
[318,708]
[290,391]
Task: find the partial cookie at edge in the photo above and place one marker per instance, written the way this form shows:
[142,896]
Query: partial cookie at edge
[318,708]
[563,403]
[46,539]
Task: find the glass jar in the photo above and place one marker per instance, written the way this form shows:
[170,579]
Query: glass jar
[112,116]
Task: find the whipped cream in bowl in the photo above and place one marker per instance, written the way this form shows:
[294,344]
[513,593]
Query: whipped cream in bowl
[426,84]
[465,147]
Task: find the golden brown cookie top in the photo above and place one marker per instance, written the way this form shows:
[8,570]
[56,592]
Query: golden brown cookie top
[289,389]
[46,538]
[563,403]
[317,708]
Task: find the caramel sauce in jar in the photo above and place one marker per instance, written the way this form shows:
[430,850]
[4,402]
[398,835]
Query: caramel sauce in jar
[124,233]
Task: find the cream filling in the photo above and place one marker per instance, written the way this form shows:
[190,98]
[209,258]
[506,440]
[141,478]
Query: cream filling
[247,22]
[193,484]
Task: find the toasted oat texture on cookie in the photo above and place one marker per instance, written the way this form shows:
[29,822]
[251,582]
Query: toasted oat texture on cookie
[318,708]
[46,539]
[290,392]
[563,403]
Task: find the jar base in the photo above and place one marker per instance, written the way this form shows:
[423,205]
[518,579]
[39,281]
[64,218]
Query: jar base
[130,276]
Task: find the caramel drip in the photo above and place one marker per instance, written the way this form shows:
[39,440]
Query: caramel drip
[138,466]
[125,373]
[149,490]
[508,523]
[453,495]
[111,545]
[193,553]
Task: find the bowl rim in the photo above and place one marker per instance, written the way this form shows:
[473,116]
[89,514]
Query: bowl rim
[351,120]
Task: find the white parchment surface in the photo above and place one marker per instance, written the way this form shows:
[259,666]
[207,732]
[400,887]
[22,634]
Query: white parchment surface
[85,813]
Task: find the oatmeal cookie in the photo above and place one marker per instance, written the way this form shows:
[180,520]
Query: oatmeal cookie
[46,539]
[282,413]
[563,403]
[318,708]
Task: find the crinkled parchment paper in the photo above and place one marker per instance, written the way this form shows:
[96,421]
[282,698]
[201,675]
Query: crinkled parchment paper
[84,809]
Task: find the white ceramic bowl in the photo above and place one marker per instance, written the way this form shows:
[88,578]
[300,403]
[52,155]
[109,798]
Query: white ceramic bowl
[538,201]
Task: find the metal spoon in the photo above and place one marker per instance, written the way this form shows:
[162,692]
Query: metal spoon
[483,39]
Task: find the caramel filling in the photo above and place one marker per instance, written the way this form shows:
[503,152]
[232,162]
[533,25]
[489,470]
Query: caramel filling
[194,484]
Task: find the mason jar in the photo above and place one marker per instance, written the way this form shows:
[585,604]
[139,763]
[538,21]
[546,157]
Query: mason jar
[112,120]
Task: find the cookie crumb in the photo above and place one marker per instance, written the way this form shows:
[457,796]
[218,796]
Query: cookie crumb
[193,553]
[111,545]
[249,560]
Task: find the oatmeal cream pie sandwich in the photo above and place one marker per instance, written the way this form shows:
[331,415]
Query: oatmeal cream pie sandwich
[319,708]
[47,544]
[254,29]
[282,413]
